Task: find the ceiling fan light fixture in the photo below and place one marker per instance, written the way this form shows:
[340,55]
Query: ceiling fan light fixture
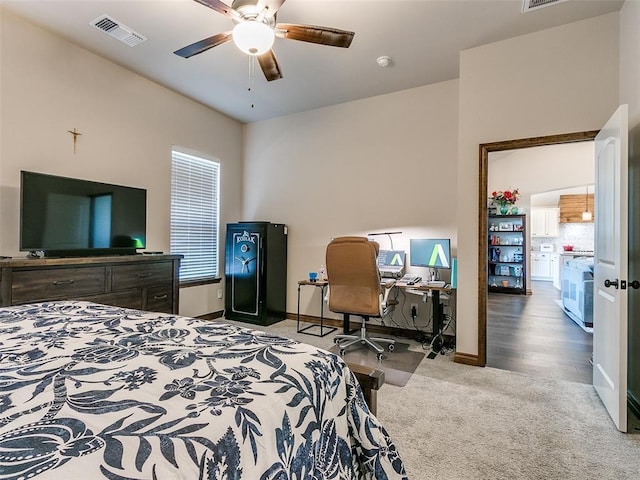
[253,37]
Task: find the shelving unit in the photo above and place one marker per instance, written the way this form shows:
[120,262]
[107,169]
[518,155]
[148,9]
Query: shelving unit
[506,255]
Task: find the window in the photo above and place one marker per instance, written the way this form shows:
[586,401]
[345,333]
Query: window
[194,215]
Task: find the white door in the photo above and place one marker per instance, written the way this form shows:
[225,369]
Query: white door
[610,272]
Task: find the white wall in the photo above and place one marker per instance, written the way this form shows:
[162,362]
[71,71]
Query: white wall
[541,169]
[630,59]
[559,80]
[386,163]
[128,126]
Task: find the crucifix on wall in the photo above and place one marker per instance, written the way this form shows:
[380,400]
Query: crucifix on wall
[75,138]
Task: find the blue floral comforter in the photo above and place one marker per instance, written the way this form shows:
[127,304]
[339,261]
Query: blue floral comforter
[90,391]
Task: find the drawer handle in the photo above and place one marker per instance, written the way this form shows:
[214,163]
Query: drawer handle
[144,275]
[62,282]
[161,297]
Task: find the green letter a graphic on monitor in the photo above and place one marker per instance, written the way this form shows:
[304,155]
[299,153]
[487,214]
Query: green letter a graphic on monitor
[438,257]
[397,259]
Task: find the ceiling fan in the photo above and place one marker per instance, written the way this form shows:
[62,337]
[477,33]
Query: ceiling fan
[256,28]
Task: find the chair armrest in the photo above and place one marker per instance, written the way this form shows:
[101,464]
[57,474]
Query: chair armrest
[387,286]
[370,380]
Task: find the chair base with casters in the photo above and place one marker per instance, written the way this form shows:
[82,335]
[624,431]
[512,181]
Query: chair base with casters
[345,341]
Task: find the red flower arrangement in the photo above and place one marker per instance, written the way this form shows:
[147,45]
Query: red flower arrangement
[505,198]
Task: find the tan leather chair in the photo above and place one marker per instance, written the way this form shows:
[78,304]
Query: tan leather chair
[355,288]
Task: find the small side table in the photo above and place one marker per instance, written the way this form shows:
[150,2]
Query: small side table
[322,284]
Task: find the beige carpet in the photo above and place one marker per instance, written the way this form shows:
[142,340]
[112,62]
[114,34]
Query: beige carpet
[397,365]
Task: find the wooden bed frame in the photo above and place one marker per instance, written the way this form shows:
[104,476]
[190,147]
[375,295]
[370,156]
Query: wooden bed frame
[370,380]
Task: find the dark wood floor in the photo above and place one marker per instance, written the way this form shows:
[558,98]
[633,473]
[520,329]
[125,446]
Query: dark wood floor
[531,334]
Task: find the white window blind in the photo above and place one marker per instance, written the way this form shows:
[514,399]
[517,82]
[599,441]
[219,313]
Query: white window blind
[194,215]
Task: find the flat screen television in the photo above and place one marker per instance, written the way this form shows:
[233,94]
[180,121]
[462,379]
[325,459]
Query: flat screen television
[430,252]
[64,217]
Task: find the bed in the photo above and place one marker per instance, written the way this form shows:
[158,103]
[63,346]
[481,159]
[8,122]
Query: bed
[95,391]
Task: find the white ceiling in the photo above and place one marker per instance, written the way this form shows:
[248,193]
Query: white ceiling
[423,37]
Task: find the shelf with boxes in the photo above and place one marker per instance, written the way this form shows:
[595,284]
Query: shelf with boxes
[506,259]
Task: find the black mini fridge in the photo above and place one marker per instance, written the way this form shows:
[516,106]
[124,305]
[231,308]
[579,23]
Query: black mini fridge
[256,272]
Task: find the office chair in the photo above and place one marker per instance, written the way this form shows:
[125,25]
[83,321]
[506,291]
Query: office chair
[355,288]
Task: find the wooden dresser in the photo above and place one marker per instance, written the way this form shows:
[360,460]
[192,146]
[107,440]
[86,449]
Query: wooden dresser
[144,282]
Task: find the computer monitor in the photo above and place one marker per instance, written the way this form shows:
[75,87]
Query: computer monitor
[391,263]
[391,258]
[430,252]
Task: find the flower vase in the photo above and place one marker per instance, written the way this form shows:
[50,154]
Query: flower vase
[504,209]
[514,210]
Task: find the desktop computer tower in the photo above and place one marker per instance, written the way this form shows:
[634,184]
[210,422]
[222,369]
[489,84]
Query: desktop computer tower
[256,272]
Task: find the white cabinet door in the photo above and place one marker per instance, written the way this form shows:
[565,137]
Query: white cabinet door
[544,221]
[551,221]
[540,266]
[537,222]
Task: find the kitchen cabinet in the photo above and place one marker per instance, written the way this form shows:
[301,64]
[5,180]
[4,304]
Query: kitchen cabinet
[541,266]
[506,261]
[545,222]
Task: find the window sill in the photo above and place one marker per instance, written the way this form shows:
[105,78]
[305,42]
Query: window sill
[200,281]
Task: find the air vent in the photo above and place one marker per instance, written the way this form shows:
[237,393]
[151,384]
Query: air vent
[528,5]
[118,30]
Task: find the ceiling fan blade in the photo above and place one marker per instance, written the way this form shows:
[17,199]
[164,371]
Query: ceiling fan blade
[203,45]
[269,66]
[219,7]
[272,6]
[309,33]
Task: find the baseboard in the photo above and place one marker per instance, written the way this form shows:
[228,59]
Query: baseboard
[467,359]
[212,316]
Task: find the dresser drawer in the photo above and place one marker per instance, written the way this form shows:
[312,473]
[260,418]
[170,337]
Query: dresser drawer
[50,284]
[141,275]
[159,299]
[125,299]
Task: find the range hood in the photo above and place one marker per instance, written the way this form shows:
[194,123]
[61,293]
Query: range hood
[572,206]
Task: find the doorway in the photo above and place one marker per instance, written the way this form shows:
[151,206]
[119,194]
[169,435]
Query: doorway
[485,150]
[542,329]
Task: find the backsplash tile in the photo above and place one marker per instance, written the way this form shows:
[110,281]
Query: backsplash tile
[580,235]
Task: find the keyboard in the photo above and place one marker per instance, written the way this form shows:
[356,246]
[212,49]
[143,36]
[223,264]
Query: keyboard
[410,279]
[434,283]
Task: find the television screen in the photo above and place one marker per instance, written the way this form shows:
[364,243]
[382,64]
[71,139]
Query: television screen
[432,253]
[68,216]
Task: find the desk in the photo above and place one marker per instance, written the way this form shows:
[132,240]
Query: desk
[438,314]
[322,285]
